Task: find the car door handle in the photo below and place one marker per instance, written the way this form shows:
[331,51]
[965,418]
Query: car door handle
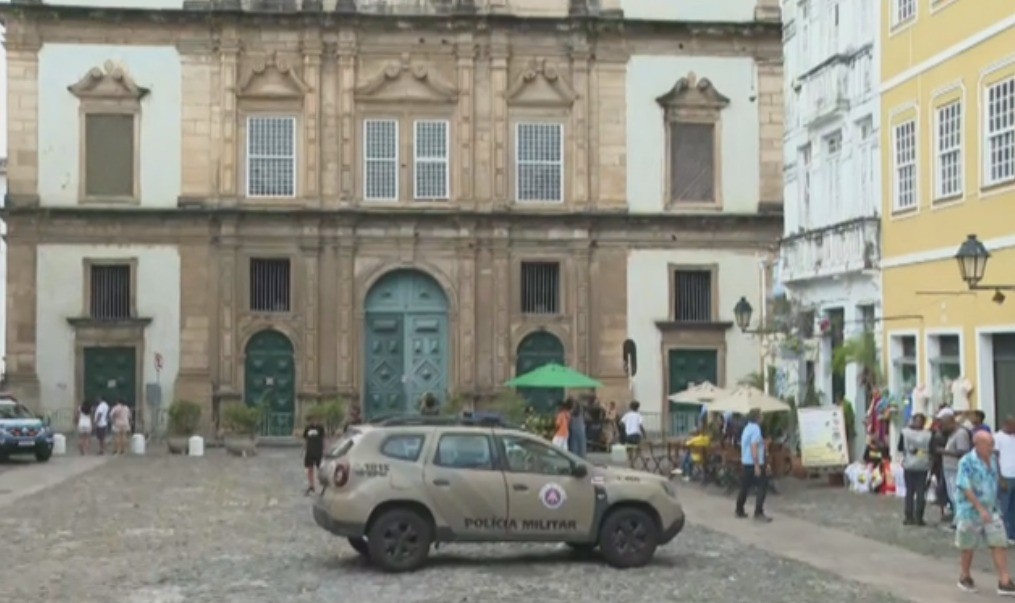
[520,487]
[441,482]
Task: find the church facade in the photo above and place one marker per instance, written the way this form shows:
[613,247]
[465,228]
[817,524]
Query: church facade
[323,201]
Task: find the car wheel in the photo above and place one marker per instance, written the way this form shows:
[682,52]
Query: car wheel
[399,540]
[628,538]
[359,544]
[43,455]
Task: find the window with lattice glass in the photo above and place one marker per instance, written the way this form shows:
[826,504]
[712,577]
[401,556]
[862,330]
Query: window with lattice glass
[948,147]
[270,285]
[109,154]
[1000,139]
[692,296]
[109,290]
[692,162]
[271,156]
[539,165]
[904,179]
[431,148]
[903,11]
[380,160]
[904,363]
[540,288]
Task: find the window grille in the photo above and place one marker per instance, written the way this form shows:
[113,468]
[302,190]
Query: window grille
[110,294]
[692,296]
[949,150]
[540,288]
[380,160]
[905,165]
[1001,132]
[692,162]
[109,155]
[539,166]
[270,285]
[271,156]
[431,147]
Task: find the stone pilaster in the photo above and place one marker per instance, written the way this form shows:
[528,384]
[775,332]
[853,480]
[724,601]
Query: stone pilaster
[581,257]
[312,49]
[228,308]
[197,160]
[498,97]
[197,306]
[21,377]
[310,288]
[347,111]
[23,44]
[466,55]
[484,296]
[610,177]
[770,119]
[229,54]
[580,55]
[466,312]
[347,330]
[502,289]
[330,170]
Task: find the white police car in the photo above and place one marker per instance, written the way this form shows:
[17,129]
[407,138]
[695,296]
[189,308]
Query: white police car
[22,432]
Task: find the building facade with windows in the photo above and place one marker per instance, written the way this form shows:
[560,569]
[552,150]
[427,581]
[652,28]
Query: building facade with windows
[831,241]
[948,109]
[298,200]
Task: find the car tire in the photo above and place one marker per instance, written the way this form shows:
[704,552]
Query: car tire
[43,455]
[399,540]
[359,544]
[628,537]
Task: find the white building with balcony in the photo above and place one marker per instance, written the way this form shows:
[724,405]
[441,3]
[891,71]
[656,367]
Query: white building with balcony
[831,245]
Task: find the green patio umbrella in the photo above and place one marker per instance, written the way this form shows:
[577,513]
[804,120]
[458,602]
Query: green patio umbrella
[554,375]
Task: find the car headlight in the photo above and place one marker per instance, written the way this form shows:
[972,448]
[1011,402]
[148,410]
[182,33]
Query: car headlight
[670,489]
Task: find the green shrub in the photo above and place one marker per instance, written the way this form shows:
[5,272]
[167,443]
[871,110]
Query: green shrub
[184,418]
[330,413]
[238,419]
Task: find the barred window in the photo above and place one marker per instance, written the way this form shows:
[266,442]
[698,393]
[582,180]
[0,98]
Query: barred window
[692,296]
[905,166]
[380,160]
[431,160]
[540,288]
[949,150]
[1000,160]
[270,285]
[539,165]
[109,291]
[271,156]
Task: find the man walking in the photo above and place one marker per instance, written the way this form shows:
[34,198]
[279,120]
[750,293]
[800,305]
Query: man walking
[752,457]
[977,519]
[915,447]
[1004,444]
[960,442]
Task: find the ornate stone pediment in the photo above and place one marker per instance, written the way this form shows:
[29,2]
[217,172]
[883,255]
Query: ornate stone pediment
[402,80]
[272,77]
[692,93]
[111,82]
[541,84]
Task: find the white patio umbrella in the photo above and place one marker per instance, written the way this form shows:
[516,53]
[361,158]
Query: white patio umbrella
[699,393]
[745,398]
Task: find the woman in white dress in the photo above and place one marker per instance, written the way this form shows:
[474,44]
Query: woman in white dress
[83,420]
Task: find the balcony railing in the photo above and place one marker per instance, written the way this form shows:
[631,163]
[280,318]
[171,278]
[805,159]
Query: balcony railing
[824,94]
[835,250]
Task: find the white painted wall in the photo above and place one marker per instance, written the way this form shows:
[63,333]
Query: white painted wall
[155,68]
[147,4]
[689,10]
[648,78]
[649,301]
[60,274]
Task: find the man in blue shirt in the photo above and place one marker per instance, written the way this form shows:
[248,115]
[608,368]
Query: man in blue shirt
[752,456]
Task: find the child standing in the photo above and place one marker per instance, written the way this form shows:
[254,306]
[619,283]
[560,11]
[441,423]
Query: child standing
[313,450]
[561,431]
[633,425]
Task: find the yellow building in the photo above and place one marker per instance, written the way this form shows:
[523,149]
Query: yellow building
[948,161]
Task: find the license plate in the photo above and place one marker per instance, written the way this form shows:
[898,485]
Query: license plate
[26,444]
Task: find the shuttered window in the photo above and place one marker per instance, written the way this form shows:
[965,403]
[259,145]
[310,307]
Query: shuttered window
[109,155]
[380,160]
[692,162]
[539,165]
[540,288]
[270,285]
[271,156]
[692,296]
[430,145]
[109,291]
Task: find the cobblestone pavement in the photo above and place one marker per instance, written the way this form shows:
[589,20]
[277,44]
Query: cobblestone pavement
[222,529]
[871,516]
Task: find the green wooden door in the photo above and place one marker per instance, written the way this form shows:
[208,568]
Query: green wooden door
[536,350]
[688,367]
[111,373]
[1004,376]
[270,378]
[406,343]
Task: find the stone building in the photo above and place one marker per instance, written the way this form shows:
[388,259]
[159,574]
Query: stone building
[223,201]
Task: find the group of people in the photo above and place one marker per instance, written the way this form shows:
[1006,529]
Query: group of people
[570,424]
[96,419]
[975,470]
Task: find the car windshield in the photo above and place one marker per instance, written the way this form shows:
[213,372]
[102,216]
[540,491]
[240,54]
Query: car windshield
[13,410]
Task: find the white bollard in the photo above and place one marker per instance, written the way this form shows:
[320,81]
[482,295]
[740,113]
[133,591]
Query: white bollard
[59,444]
[618,454]
[137,444]
[195,446]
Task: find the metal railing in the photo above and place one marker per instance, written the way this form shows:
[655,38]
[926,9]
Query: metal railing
[277,424]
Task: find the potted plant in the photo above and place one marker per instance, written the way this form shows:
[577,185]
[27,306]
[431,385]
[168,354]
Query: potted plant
[330,413]
[184,420]
[240,424]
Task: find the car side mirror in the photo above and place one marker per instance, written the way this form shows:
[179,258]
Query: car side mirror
[579,471]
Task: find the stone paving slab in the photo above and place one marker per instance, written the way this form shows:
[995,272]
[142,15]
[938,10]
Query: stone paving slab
[20,480]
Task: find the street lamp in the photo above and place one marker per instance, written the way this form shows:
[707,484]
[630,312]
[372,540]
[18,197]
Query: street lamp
[972,257]
[742,314]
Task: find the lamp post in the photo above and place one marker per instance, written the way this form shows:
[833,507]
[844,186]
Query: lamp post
[742,316]
[972,258]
